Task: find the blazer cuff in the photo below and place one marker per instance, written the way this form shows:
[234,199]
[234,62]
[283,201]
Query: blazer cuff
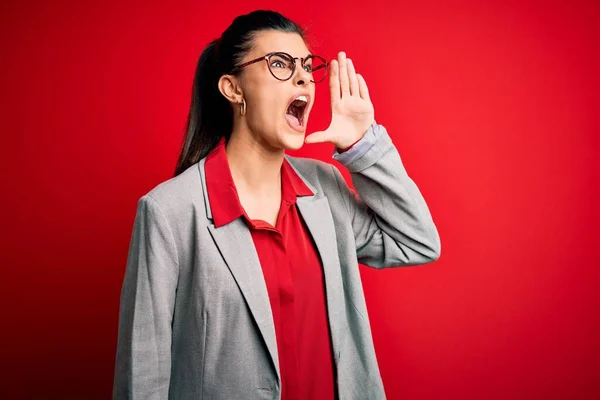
[366,151]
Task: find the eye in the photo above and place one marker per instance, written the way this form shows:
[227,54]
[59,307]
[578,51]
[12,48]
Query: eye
[308,68]
[277,64]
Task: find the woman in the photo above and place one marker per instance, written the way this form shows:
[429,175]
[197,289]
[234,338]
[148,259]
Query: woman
[242,279]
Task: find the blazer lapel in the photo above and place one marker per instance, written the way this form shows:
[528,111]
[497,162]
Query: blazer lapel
[235,244]
[317,215]
[237,248]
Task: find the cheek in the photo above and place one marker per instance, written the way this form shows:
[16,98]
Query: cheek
[263,119]
[268,105]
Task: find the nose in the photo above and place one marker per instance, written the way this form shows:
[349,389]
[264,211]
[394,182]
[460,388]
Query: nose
[301,76]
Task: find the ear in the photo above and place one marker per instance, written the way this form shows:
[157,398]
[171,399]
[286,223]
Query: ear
[229,86]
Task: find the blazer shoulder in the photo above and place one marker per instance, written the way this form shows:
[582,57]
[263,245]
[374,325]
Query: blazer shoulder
[317,173]
[178,193]
[310,168]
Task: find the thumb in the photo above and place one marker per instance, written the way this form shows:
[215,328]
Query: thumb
[317,137]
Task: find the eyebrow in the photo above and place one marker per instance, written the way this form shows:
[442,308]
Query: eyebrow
[281,51]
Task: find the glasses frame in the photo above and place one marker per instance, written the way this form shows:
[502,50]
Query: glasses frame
[267,58]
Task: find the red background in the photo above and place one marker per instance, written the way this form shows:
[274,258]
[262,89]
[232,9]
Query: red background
[494,107]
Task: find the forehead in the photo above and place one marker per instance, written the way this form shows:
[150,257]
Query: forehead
[270,41]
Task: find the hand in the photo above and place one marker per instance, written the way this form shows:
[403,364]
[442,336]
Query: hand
[352,112]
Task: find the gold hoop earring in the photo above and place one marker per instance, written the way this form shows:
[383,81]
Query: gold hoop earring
[243,107]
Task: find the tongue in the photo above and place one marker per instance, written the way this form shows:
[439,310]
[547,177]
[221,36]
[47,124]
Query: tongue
[293,120]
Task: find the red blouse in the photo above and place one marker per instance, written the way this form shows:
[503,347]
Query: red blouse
[294,278]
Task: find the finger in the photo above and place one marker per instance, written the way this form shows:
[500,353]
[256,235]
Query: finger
[354,89]
[317,137]
[362,85]
[344,84]
[334,81]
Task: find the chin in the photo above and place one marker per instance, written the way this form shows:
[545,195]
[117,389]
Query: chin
[292,141]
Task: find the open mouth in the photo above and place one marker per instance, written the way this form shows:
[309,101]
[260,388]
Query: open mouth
[296,111]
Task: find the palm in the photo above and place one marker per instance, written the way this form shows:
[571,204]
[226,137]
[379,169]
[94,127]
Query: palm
[351,109]
[350,114]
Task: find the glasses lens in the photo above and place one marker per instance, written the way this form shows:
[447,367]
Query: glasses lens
[281,66]
[317,66]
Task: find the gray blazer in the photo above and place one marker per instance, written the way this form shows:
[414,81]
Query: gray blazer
[195,319]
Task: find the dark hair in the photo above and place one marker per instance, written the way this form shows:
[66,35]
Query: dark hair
[211,115]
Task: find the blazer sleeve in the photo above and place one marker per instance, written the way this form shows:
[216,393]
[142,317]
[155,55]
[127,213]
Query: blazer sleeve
[391,221]
[143,359]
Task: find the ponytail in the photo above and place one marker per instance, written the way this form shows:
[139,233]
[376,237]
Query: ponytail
[210,116]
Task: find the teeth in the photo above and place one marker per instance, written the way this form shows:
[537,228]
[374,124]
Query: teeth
[302,98]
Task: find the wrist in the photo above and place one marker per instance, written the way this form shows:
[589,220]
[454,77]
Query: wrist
[346,148]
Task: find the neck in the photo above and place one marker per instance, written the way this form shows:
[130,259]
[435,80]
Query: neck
[255,167]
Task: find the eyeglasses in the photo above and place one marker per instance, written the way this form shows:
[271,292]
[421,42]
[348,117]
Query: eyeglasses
[282,65]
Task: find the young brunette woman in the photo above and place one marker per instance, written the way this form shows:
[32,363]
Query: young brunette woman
[242,280]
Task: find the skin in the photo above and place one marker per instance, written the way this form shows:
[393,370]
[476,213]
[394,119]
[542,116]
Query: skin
[259,139]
